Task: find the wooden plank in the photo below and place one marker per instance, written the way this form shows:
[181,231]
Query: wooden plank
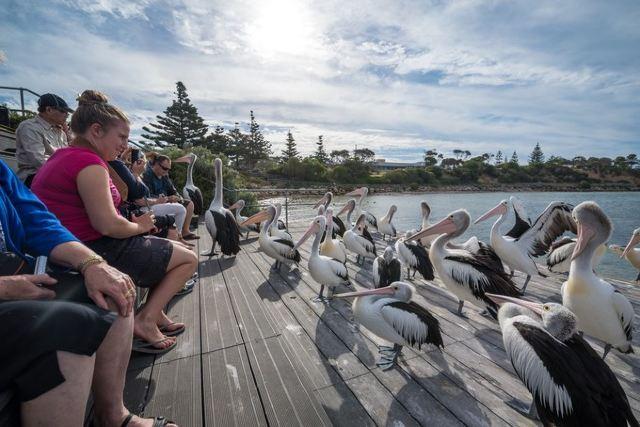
[176,391]
[342,406]
[286,395]
[230,393]
[137,389]
[219,325]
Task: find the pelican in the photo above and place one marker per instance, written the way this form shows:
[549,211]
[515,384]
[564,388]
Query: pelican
[190,191]
[362,192]
[522,221]
[325,270]
[220,222]
[238,206]
[559,259]
[385,226]
[338,226]
[570,384]
[274,247]
[478,247]
[414,256]
[358,240]
[278,229]
[386,269]
[349,207]
[603,312]
[425,212]
[518,252]
[389,313]
[630,252]
[465,274]
[333,248]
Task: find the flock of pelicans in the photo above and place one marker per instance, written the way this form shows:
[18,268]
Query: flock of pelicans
[569,382]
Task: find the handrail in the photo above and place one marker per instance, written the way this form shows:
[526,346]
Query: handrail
[22,90]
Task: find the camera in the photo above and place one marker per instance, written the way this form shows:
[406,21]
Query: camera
[164,221]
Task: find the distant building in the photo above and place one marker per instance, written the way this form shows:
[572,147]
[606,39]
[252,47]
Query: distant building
[382,164]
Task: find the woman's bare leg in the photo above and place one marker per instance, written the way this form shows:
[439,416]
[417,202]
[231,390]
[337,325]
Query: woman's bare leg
[182,265]
[187,219]
[65,404]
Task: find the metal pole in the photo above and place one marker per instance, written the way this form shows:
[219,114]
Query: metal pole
[22,100]
[286,209]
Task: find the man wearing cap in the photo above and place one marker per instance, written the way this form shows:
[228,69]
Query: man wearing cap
[37,138]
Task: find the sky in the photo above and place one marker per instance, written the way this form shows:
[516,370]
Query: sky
[398,77]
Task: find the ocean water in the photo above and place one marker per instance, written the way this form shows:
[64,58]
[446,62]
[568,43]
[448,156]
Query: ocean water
[623,208]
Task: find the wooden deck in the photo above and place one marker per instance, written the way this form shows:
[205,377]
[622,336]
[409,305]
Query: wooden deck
[258,351]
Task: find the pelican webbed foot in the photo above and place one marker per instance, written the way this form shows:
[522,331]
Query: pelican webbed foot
[389,358]
[459,311]
[607,349]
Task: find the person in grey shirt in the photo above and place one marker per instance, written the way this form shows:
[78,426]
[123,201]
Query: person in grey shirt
[37,138]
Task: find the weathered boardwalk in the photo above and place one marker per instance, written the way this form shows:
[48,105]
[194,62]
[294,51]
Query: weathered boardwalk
[258,351]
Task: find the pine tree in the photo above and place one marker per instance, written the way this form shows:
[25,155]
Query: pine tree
[237,145]
[291,149]
[537,157]
[257,148]
[181,124]
[321,154]
[514,158]
[499,157]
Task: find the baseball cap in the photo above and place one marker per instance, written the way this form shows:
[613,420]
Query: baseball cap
[51,100]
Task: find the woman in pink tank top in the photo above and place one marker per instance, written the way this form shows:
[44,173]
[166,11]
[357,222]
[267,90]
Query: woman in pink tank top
[75,185]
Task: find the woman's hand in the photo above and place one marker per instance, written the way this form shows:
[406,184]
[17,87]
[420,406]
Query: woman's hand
[103,281]
[144,221]
[160,200]
[25,286]
[137,167]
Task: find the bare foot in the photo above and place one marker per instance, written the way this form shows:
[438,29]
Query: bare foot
[148,331]
[166,322]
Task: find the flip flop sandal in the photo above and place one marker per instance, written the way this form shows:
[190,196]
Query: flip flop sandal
[157,421]
[186,289]
[190,236]
[142,346]
[172,332]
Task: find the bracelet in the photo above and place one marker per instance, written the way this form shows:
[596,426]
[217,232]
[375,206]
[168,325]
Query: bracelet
[92,260]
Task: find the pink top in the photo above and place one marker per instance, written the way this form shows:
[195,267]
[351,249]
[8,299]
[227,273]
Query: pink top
[55,185]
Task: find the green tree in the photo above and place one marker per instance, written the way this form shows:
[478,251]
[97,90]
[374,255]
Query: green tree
[291,150]
[339,156]
[321,154]
[181,125]
[537,157]
[364,155]
[237,145]
[257,147]
[514,158]
[430,158]
[499,158]
[218,142]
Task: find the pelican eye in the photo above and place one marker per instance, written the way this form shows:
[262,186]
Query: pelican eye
[545,307]
[450,216]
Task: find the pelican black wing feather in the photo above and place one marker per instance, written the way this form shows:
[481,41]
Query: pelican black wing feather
[551,224]
[492,259]
[433,326]
[497,282]
[367,235]
[296,255]
[596,396]
[520,226]
[422,256]
[198,203]
[227,233]
[341,227]
[394,270]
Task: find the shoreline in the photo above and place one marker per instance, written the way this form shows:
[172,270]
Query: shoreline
[266,193]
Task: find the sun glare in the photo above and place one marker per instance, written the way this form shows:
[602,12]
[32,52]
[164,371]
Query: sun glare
[280,27]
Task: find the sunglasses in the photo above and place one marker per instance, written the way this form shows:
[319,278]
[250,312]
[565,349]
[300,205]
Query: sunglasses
[164,168]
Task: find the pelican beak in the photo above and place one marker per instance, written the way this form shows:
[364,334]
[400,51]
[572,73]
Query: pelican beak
[502,299]
[387,290]
[498,210]
[585,234]
[320,202]
[236,205]
[313,229]
[443,227]
[356,192]
[183,159]
[633,242]
[256,218]
[344,209]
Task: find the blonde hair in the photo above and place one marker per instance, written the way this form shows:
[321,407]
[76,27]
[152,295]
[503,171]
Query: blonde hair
[94,107]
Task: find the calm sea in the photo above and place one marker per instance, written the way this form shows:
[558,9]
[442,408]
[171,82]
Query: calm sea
[622,207]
